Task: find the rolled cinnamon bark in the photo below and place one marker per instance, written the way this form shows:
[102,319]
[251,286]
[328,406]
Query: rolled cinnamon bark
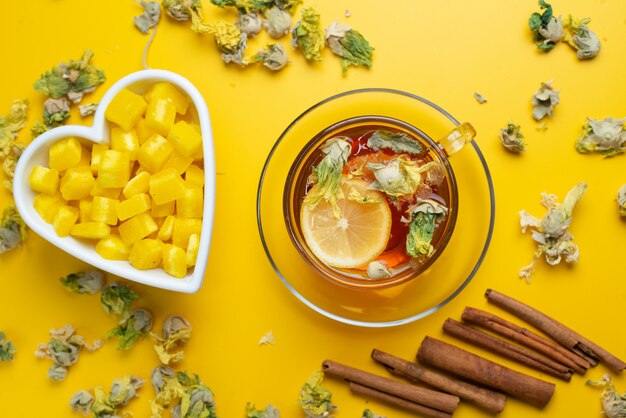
[485,398]
[396,401]
[559,332]
[505,349]
[526,337]
[427,397]
[477,369]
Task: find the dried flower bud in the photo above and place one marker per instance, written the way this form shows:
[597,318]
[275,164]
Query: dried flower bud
[544,100]
[277,22]
[123,390]
[512,139]
[581,38]
[84,282]
[81,402]
[378,270]
[274,58]
[608,137]
[117,299]
[249,23]
[132,328]
[314,398]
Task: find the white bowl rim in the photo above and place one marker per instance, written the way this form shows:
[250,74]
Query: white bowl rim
[97,133]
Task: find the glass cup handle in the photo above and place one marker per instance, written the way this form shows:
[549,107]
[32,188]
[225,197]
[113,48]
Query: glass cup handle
[457,138]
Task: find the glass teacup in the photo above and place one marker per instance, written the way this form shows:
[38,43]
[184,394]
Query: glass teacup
[298,183]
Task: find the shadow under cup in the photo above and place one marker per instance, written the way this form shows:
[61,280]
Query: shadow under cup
[296,184]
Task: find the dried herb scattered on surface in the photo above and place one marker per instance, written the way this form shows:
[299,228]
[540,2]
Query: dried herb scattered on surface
[175,333]
[551,233]
[369,414]
[10,148]
[315,399]
[7,349]
[349,45]
[613,403]
[512,139]
[132,328]
[581,38]
[544,100]
[150,17]
[547,28]
[268,339]
[13,232]
[84,282]
[608,137]
[268,412]
[480,98]
[274,57]
[621,200]
[308,36]
[117,298]
[104,405]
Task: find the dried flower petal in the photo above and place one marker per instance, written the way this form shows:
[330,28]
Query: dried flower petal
[175,333]
[7,349]
[277,22]
[315,399]
[608,137]
[132,328]
[267,339]
[307,35]
[613,403]
[544,101]
[150,17]
[424,216]
[398,142]
[87,109]
[268,412]
[13,230]
[186,396]
[350,45]
[551,233]
[480,98]
[274,58]
[512,139]
[84,282]
[75,76]
[117,299]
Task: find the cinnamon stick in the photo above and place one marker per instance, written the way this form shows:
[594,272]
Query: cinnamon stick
[477,369]
[525,337]
[485,398]
[427,397]
[559,332]
[396,401]
[505,349]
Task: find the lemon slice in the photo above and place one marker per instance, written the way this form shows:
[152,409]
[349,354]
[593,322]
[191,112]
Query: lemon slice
[358,236]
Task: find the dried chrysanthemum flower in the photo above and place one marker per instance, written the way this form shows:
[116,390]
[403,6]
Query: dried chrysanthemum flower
[176,332]
[544,101]
[424,215]
[7,349]
[613,403]
[87,109]
[268,412]
[608,137]
[184,10]
[268,339]
[63,349]
[378,270]
[13,230]
[512,139]
[547,28]
[249,23]
[123,390]
[117,299]
[349,45]
[277,22]
[274,57]
[551,233]
[84,282]
[581,38]
[132,328]
[150,17]
[621,200]
[81,402]
[184,395]
[480,98]
[315,399]
[231,42]
[10,148]
[308,36]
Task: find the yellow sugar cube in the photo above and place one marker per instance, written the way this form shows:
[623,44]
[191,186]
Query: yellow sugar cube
[146,254]
[64,220]
[168,92]
[77,183]
[96,154]
[138,184]
[137,227]
[160,116]
[143,131]
[174,261]
[185,138]
[114,169]
[112,248]
[166,186]
[84,210]
[167,227]
[191,204]
[183,229]
[104,210]
[179,162]
[192,249]
[125,109]
[154,153]
[125,141]
[65,154]
[137,204]
[47,205]
[110,192]
[44,180]
[166,209]
[91,230]
[194,176]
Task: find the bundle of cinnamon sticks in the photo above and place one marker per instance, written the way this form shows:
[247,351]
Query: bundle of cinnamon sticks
[485,382]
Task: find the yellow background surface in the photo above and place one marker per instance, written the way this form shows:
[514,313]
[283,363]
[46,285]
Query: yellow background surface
[442,50]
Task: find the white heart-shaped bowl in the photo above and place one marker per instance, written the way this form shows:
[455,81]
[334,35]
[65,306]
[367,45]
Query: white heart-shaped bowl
[37,154]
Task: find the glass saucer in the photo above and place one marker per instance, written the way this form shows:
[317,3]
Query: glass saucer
[433,288]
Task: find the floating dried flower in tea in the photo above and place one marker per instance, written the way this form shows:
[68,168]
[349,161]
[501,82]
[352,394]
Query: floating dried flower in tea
[551,233]
[608,137]
[397,142]
[7,349]
[132,328]
[315,399]
[613,403]
[544,100]
[13,230]
[424,215]
[268,412]
[274,58]
[117,299]
[581,38]
[512,139]
[547,28]
[63,349]
[175,333]
[378,270]
[349,45]
[308,36]
[84,282]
